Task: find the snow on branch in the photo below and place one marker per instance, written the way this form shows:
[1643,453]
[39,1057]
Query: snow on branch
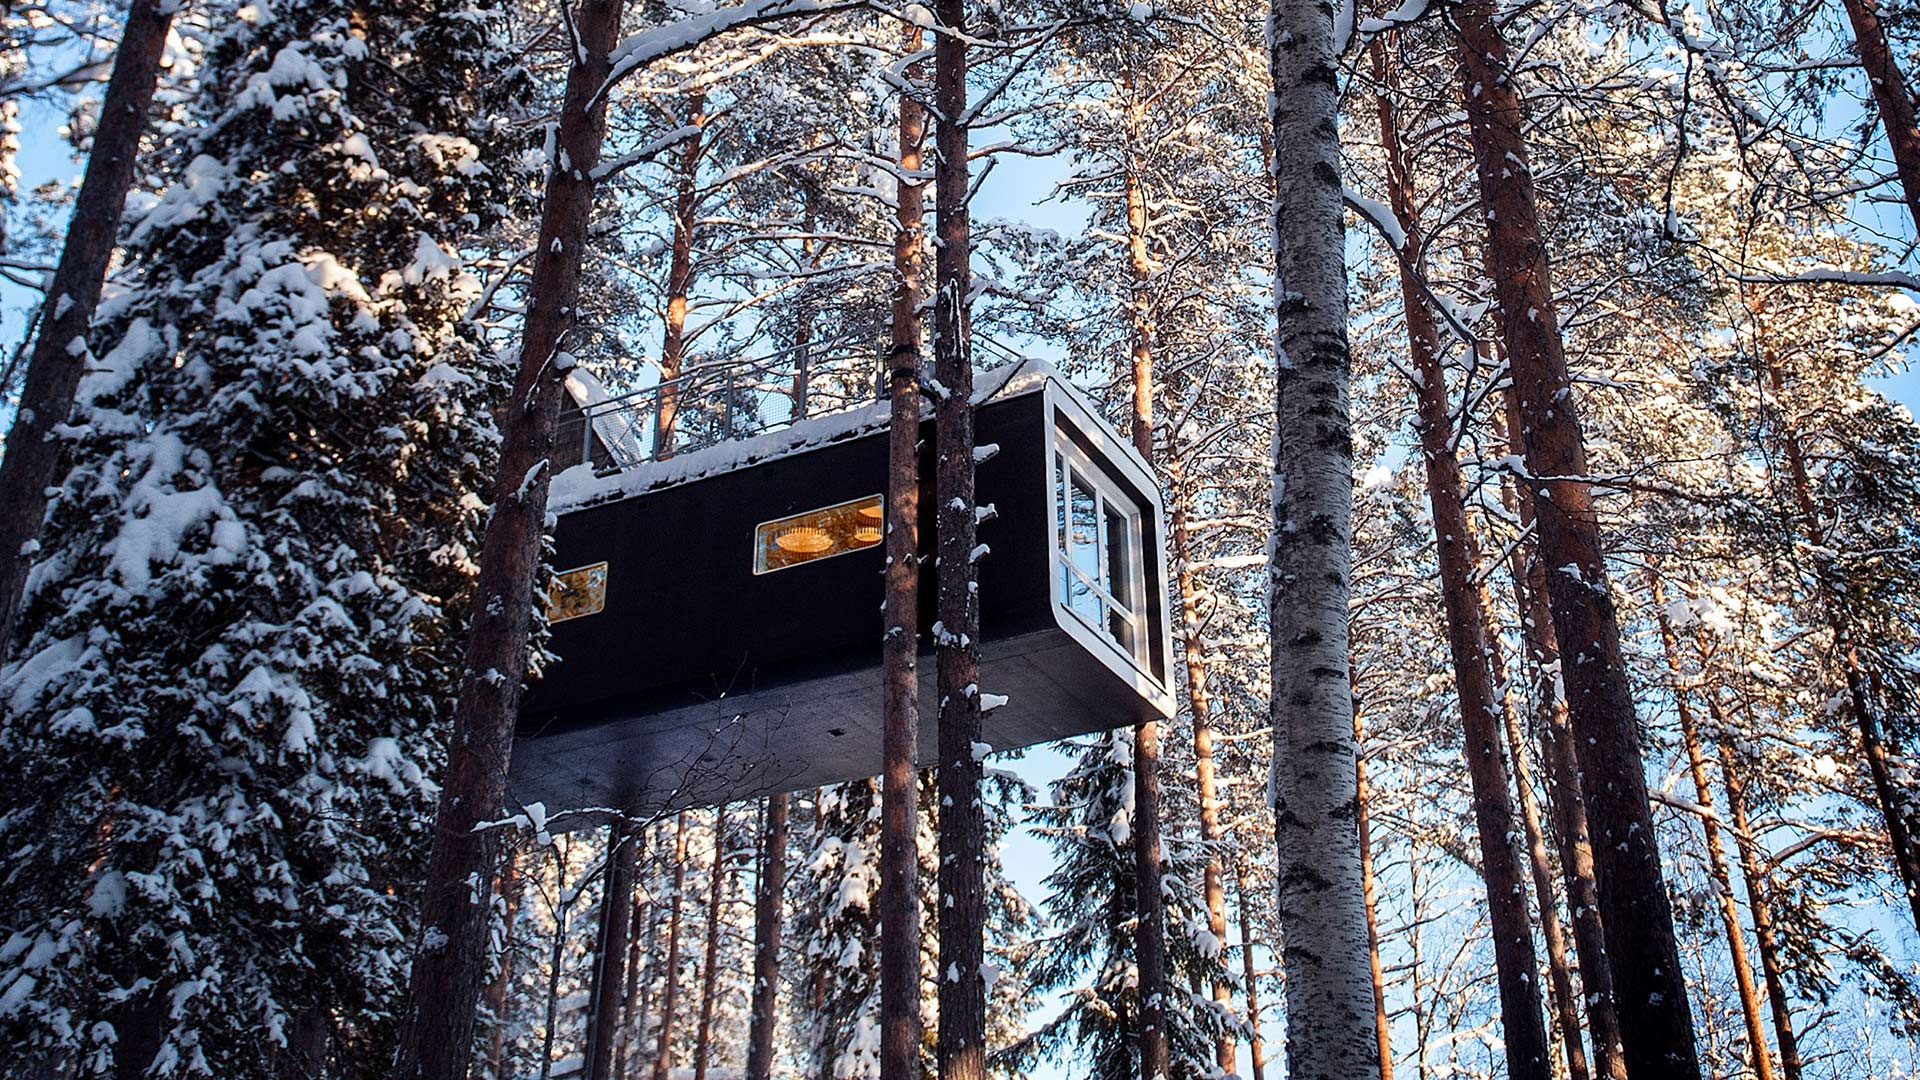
[659,42]
[1827,275]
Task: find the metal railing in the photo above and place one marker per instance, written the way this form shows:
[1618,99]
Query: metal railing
[737,398]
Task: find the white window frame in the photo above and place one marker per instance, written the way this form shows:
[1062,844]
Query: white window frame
[1067,464]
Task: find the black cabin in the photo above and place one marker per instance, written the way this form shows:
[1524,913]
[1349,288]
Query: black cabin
[717,613]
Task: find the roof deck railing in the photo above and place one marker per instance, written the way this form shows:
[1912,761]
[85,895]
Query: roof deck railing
[737,398]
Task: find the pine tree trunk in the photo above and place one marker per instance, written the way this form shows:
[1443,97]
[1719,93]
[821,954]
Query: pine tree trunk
[1249,971]
[1382,1025]
[1760,902]
[686,207]
[1655,1015]
[639,989]
[1323,919]
[1758,1057]
[1150,933]
[498,991]
[556,958]
[769,917]
[1564,798]
[900,705]
[1200,708]
[670,993]
[450,964]
[710,964]
[960,1049]
[610,956]
[56,365]
[1890,95]
[1527,1052]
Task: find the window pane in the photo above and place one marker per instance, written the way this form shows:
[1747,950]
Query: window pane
[1120,548]
[1121,630]
[1083,543]
[1082,599]
[818,534]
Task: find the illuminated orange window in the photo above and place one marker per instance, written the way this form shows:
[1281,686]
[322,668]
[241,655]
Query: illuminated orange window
[818,534]
[577,592]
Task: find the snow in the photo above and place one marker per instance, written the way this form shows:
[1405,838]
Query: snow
[578,487]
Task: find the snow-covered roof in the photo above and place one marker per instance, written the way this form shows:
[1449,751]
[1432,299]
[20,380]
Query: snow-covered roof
[578,487]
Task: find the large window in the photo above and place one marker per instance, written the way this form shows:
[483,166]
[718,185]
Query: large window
[1097,541]
[817,534]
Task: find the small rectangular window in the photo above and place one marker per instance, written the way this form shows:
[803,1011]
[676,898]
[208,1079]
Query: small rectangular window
[577,592]
[818,534]
[1097,534]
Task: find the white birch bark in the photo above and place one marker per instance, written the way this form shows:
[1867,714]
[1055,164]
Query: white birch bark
[1330,1021]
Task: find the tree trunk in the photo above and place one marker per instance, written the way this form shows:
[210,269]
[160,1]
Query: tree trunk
[502,985]
[1759,901]
[450,964]
[610,958]
[1250,973]
[1890,95]
[1321,908]
[1655,1015]
[710,964]
[670,992]
[1758,1056]
[900,704]
[54,369]
[1382,1025]
[1564,799]
[686,208]
[960,1050]
[768,919]
[639,988]
[1527,1052]
[1150,928]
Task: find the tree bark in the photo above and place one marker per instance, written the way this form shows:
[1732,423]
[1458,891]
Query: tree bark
[60,352]
[1655,1015]
[900,704]
[1382,1025]
[1150,929]
[502,985]
[960,1049]
[670,992]
[1249,971]
[450,964]
[710,964]
[1890,96]
[768,920]
[1564,798]
[1322,912]
[610,958]
[1759,901]
[686,209]
[1527,1051]
[1759,1058]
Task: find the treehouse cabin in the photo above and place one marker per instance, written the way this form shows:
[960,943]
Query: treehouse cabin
[716,608]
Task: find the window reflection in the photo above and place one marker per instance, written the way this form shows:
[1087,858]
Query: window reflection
[818,534]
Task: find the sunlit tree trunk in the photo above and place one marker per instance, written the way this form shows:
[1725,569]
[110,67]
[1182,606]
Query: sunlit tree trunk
[1651,995]
[1759,900]
[768,918]
[1321,907]
[1382,1023]
[1250,971]
[670,992]
[610,953]
[1890,95]
[496,1000]
[686,209]
[55,365]
[450,961]
[710,964]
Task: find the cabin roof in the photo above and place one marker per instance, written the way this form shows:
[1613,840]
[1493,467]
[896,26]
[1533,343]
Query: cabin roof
[579,487]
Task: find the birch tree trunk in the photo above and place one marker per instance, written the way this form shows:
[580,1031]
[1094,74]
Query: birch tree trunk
[960,1050]
[610,957]
[900,704]
[56,364]
[1890,96]
[449,967]
[768,919]
[1329,986]
[1655,1016]
[1528,1056]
